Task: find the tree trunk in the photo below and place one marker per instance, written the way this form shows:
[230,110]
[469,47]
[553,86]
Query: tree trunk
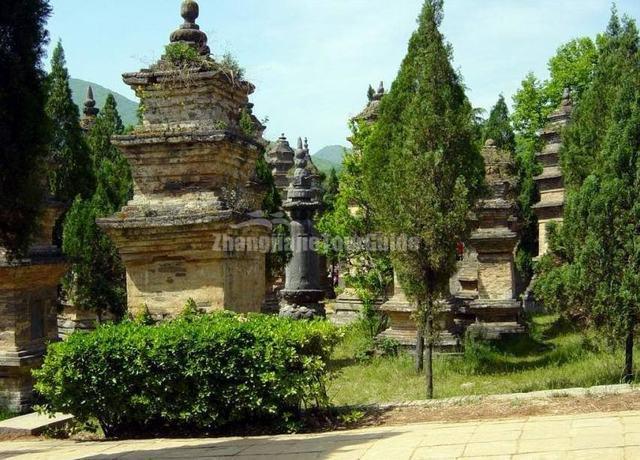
[419,348]
[429,339]
[628,365]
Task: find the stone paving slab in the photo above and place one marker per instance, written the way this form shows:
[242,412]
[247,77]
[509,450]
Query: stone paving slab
[600,436]
[33,424]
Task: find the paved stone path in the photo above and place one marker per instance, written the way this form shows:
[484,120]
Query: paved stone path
[584,436]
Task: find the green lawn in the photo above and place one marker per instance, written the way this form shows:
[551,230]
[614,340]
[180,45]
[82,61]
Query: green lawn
[554,356]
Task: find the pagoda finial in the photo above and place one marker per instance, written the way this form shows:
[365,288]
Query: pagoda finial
[300,146]
[380,93]
[189,32]
[90,109]
[306,144]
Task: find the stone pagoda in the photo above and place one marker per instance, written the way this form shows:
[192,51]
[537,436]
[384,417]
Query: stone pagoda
[191,229]
[348,305]
[303,289]
[550,183]
[28,310]
[280,158]
[486,277]
[89,112]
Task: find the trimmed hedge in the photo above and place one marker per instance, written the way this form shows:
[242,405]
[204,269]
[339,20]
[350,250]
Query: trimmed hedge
[198,373]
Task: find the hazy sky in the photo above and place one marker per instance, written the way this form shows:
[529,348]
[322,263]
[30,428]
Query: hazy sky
[312,60]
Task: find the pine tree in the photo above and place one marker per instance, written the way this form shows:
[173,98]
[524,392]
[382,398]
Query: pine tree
[96,280]
[23,122]
[71,174]
[498,127]
[422,170]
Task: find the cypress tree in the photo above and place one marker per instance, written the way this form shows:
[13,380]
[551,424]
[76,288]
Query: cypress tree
[331,187]
[498,127]
[618,50]
[71,174]
[23,122]
[97,277]
[422,170]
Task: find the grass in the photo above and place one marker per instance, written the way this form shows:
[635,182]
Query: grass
[555,355]
[5,414]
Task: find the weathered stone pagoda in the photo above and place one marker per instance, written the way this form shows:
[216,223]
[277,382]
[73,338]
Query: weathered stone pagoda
[89,112]
[303,289]
[28,308]
[550,183]
[190,230]
[348,305]
[487,279]
[280,158]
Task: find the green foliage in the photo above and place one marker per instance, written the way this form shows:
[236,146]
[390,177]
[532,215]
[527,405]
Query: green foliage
[498,127]
[24,130]
[349,216]
[190,310]
[247,126]
[230,65]
[197,374]
[421,167]
[594,268]
[331,189]
[585,137]
[71,172]
[182,54]
[96,280]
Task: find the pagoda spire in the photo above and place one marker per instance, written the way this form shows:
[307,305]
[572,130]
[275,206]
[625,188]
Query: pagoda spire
[189,32]
[90,111]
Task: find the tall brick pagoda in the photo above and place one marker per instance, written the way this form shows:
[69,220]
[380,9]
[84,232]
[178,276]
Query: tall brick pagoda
[195,188]
[550,183]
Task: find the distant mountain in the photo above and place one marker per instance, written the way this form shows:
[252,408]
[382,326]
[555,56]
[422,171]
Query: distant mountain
[127,108]
[329,157]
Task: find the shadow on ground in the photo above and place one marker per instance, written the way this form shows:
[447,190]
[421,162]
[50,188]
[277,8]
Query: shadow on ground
[316,446]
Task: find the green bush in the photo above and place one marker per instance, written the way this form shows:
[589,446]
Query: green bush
[197,373]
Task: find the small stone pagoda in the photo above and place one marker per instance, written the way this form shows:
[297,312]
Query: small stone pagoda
[487,278]
[550,183]
[280,158]
[28,311]
[89,112]
[303,289]
[191,229]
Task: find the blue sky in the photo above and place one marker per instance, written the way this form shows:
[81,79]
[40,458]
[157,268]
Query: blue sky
[312,60]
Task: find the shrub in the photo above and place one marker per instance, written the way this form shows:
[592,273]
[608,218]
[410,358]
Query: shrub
[197,373]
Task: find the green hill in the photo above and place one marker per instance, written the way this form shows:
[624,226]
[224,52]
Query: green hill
[127,108]
[329,157]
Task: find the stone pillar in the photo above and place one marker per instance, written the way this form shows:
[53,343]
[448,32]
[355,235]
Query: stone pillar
[487,279]
[190,231]
[550,183]
[303,291]
[28,304]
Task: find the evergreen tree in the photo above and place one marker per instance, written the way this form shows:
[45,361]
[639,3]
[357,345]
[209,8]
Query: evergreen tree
[71,174]
[370,93]
[331,188]
[617,52]
[23,123]
[97,277]
[498,127]
[422,170]
[594,269]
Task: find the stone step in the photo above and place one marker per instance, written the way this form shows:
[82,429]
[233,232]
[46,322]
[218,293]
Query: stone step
[33,424]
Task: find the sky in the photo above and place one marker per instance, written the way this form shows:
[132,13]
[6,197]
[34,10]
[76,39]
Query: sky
[312,60]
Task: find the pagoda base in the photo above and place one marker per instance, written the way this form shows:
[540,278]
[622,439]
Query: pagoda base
[28,297]
[302,304]
[171,260]
[402,325]
[348,308]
